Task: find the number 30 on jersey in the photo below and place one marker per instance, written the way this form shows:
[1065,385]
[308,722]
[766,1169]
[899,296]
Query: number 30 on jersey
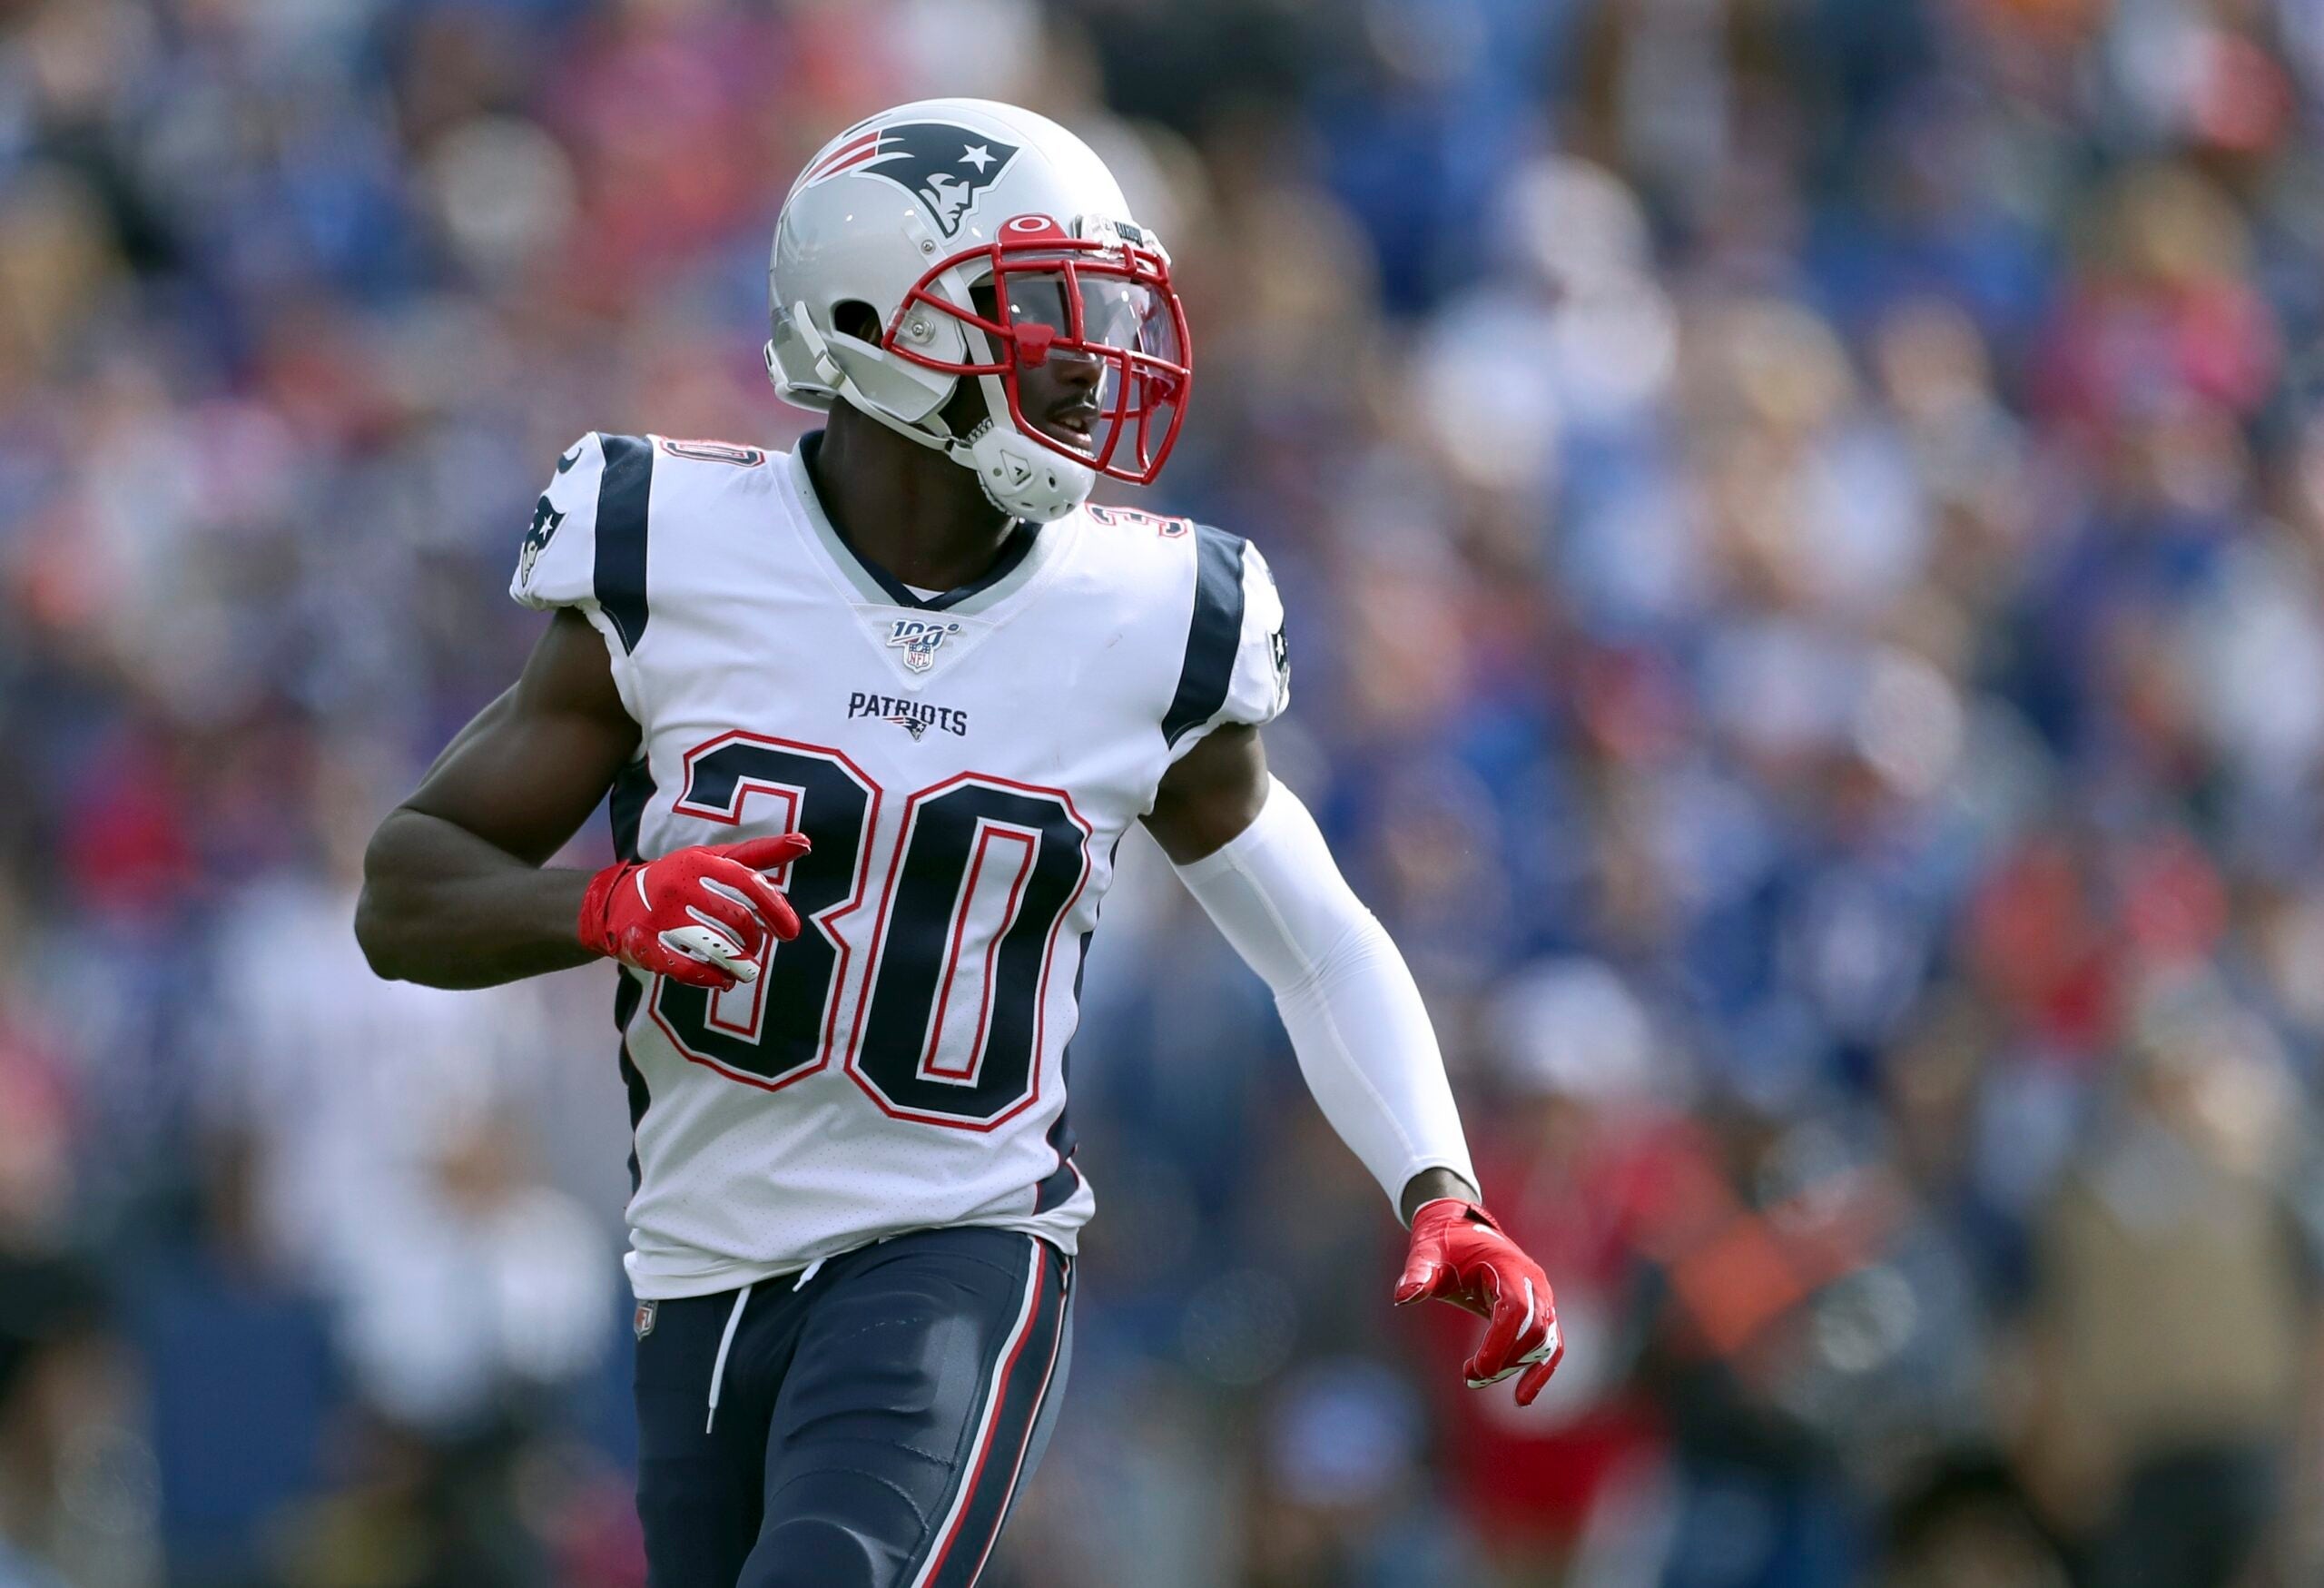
[949,1009]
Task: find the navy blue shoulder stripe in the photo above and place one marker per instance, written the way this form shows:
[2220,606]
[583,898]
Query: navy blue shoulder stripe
[621,496]
[1213,634]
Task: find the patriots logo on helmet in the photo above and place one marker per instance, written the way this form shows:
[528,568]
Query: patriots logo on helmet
[943,166]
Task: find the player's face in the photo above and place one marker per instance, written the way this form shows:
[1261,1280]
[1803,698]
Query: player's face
[1072,395]
[1060,396]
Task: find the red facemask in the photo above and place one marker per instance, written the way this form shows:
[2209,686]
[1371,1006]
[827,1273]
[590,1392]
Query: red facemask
[1056,296]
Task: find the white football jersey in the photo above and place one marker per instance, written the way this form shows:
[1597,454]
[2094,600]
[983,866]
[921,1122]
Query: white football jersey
[964,764]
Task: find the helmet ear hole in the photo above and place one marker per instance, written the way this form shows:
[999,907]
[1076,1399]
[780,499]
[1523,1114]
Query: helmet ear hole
[854,318]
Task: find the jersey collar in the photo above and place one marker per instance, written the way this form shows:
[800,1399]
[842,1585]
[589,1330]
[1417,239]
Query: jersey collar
[1011,571]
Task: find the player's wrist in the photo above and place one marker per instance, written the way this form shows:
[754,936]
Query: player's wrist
[1434,1184]
[593,923]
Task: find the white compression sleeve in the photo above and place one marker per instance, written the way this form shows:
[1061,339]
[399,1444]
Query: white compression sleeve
[1346,996]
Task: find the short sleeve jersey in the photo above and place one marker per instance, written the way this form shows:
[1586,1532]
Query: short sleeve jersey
[964,764]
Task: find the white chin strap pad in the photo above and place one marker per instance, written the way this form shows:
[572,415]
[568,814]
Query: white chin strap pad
[1021,476]
[1024,478]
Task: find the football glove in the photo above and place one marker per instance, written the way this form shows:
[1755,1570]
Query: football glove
[1460,1254]
[700,915]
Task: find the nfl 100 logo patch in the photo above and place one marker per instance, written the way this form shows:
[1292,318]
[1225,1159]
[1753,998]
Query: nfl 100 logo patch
[918,638]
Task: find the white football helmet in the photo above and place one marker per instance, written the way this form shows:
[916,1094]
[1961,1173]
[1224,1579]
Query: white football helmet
[962,237]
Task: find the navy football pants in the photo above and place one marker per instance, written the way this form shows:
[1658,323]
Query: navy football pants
[873,1424]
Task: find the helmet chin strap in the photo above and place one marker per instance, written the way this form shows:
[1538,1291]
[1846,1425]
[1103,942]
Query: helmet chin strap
[1021,476]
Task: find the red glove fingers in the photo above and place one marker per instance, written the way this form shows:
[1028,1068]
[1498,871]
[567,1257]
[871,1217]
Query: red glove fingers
[1427,1276]
[1537,1376]
[700,915]
[660,959]
[1521,1325]
[755,855]
[728,910]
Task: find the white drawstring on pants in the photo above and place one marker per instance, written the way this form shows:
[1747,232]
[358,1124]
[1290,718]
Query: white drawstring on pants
[726,1340]
[725,1343]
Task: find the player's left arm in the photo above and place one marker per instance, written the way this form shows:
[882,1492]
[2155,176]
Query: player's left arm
[1253,856]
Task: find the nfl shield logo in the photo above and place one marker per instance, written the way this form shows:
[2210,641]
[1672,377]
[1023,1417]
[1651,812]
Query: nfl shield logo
[918,638]
[642,1322]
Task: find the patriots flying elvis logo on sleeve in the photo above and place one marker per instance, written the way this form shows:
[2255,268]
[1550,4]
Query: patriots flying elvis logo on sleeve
[545,519]
[943,166]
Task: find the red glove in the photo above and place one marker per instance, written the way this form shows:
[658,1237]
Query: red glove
[1461,1255]
[700,915]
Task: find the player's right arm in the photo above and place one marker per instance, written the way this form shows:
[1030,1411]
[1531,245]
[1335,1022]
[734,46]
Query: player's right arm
[455,890]
[456,893]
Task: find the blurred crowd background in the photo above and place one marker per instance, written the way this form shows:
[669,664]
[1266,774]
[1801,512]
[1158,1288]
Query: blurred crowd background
[1803,523]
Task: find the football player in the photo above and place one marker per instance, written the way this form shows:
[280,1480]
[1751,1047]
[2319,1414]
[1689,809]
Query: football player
[873,717]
